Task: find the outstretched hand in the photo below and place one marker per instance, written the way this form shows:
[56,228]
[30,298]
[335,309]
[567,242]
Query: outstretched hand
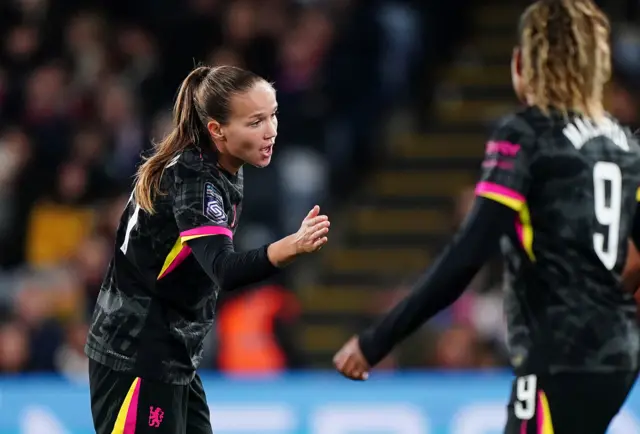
[313,231]
[350,361]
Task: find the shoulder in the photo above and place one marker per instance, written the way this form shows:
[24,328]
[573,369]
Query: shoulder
[633,139]
[630,136]
[519,122]
[515,129]
[189,167]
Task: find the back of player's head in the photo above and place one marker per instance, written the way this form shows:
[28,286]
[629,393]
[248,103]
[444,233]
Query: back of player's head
[565,54]
[204,95]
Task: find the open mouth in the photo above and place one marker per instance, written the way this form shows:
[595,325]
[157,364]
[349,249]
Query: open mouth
[267,151]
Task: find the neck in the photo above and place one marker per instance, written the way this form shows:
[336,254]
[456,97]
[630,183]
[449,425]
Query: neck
[229,163]
[592,109]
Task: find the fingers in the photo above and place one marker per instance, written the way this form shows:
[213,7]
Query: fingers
[313,231]
[352,369]
[314,212]
[317,244]
[310,222]
[319,233]
[349,362]
[319,229]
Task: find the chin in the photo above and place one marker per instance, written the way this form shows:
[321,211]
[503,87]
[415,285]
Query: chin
[261,163]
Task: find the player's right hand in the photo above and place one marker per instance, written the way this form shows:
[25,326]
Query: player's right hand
[313,231]
[350,361]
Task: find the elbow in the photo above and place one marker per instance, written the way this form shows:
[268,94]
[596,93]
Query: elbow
[222,279]
[220,272]
[225,284]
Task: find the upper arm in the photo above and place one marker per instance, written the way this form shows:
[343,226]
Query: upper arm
[199,207]
[506,176]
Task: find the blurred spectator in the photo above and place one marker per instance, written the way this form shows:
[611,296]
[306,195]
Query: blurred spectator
[624,93]
[35,310]
[85,44]
[255,331]
[457,348]
[69,358]
[14,342]
[90,261]
[15,152]
[65,211]
[119,113]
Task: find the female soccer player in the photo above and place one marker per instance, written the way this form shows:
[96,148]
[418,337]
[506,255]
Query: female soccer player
[156,305]
[558,195]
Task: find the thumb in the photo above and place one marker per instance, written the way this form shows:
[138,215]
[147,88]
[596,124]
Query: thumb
[314,212]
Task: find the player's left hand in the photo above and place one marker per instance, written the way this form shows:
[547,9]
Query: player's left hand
[350,361]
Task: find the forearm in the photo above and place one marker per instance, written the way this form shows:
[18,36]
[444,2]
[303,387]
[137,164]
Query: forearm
[282,252]
[230,269]
[444,282]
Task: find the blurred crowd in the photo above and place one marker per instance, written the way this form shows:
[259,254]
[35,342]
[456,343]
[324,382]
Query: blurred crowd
[87,85]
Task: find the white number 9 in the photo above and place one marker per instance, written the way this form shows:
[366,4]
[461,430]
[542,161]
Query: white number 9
[607,214]
[526,388]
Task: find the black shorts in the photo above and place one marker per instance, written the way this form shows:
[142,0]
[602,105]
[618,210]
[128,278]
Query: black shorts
[566,403]
[123,404]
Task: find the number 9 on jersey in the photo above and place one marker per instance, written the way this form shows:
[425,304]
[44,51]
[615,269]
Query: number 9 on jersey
[607,212]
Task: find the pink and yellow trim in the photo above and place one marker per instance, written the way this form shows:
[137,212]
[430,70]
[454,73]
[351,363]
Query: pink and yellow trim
[516,202]
[524,230]
[128,414]
[205,231]
[544,424]
[180,250]
[503,195]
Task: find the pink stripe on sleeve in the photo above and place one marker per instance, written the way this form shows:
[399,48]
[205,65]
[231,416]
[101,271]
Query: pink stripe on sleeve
[179,259]
[490,187]
[203,231]
[132,411]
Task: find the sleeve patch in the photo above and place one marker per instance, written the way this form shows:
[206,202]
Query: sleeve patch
[214,205]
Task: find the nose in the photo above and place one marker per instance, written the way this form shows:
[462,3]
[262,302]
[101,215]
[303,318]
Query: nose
[272,129]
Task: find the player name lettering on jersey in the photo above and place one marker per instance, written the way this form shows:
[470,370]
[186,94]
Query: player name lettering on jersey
[580,131]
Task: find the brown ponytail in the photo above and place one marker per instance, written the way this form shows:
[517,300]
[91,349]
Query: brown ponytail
[187,129]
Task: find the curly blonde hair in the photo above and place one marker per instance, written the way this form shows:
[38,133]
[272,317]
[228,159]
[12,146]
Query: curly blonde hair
[566,57]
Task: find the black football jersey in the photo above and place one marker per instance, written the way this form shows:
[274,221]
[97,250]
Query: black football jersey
[574,185]
[156,304]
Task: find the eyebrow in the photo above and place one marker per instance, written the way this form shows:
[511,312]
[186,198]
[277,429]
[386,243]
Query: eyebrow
[261,114]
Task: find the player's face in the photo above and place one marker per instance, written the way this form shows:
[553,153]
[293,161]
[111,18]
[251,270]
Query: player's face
[250,134]
[516,76]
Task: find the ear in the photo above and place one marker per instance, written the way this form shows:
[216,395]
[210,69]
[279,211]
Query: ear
[517,60]
[215,129]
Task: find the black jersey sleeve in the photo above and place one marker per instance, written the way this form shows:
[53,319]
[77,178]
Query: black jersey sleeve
[199,206]
[444,282]
[228,268]
[201,215]
[505,170]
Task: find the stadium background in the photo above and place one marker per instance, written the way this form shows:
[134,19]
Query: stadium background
[385,107]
